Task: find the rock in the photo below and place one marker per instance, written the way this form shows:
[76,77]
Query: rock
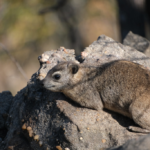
[5,102]
[106,49]
[40,119]
[141,143]
[29,107]
[14,138]
[137,42]
[6,99]
[51,58]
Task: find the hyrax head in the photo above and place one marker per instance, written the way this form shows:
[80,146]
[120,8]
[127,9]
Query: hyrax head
[60,77]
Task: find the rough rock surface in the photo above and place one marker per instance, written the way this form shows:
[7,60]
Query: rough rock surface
[141,143]
[106,49]
[6,99]
[51,58]
[137,42]
[43,120]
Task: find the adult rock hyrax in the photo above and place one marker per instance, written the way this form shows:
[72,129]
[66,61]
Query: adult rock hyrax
[120,86]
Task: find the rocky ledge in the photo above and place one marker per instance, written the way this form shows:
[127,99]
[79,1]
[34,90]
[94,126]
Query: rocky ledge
[37,119]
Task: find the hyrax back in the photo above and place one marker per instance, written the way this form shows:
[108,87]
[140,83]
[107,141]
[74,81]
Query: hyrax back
[121,86]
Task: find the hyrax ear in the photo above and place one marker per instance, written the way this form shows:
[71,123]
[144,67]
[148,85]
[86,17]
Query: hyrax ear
[73,68]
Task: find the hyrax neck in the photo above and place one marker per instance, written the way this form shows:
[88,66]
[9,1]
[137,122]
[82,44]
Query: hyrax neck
[82,89]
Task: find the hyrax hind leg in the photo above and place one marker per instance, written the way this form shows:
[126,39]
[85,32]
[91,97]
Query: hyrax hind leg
[140,111]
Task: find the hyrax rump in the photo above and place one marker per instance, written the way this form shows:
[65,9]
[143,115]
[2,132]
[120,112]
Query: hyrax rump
[120,86]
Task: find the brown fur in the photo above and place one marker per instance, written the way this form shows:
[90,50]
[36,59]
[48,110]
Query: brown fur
[120,86]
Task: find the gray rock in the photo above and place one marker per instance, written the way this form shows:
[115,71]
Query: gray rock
[40,119]
[106,49]
[137,42]
[51,58]
[142,143]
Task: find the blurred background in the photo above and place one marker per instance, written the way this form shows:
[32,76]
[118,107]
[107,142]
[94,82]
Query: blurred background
[30,27]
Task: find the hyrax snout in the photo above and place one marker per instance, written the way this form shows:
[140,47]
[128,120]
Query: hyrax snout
[120,86]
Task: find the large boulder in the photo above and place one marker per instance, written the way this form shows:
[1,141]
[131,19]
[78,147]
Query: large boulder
[42,120]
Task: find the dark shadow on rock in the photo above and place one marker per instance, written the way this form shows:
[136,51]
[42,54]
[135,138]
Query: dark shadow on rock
[122,120]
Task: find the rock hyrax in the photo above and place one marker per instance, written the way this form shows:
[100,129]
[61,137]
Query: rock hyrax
[120,86]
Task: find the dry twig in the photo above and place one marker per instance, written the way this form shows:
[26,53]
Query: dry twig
[15,62]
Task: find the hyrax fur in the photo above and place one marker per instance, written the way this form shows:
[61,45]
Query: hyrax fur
[120,86]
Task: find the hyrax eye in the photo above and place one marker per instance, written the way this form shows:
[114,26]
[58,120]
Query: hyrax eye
[57,76]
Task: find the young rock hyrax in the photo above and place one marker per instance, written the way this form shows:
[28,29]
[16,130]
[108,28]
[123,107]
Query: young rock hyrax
[120,86]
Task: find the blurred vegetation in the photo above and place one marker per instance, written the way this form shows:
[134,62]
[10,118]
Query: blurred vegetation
[30,27]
